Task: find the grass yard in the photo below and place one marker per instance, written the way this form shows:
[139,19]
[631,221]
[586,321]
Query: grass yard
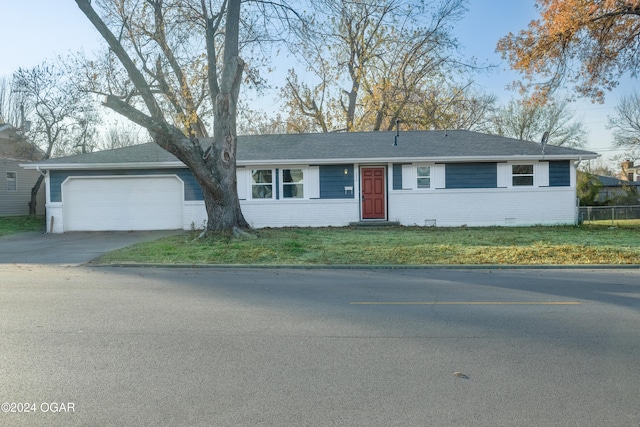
[20,224]
[587,244]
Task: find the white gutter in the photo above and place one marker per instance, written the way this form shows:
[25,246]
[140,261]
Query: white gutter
[308,161]
[385,160]
[92,166]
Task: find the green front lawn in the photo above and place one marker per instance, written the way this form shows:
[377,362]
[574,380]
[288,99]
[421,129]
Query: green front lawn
[20,224]
[588,244]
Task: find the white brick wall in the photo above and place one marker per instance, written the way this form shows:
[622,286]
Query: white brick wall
[444,208]
[55,222]
[484,207]
[194,215]
[280,213]
[303,213]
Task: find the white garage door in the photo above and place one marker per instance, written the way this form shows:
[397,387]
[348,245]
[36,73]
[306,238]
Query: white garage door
[122,203]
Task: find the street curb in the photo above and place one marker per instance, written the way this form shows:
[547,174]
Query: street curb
[383,267]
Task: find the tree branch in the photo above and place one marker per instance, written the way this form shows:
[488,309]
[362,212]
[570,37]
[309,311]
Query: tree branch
[211,25]
[135,115]
[134,74]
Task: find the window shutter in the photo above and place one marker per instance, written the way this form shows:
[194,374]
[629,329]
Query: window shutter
[503,175]
[312,182]
[541,176]
[438,176]
[408,177]
[241,176]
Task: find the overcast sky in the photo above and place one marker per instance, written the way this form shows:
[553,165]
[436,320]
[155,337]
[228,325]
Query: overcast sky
[35,30]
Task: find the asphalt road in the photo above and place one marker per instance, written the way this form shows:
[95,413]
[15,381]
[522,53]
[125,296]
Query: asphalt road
[223,347]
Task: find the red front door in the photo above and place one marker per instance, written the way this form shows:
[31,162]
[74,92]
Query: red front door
[373,193]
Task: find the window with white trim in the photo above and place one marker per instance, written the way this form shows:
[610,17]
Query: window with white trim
[420,176]
[423,174]
[522,175]
[262,184]
[12,181]
[292,183]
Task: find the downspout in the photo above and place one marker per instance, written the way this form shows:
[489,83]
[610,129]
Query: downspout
[576,164]
[577,217]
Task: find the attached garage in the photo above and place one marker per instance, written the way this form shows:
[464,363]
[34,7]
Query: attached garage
[122,203]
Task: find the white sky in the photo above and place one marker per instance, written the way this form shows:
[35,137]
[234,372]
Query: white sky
[35,30]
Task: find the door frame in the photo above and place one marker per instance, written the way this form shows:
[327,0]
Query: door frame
[385,193]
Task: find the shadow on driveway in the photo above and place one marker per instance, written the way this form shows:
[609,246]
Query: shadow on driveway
[70,248]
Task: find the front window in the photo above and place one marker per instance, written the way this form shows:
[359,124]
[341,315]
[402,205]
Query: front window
[522,175]
[12,181]
[292,184]
[262,184]
[424,176]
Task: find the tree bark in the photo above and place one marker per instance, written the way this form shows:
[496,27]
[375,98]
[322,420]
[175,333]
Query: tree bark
[34,195]
[222,205]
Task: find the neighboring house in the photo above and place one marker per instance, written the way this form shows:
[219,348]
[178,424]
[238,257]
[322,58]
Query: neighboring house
[614,188]
[431,178]
[631,171]
[16,182]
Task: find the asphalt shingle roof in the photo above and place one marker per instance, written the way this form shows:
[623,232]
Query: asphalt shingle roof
[348,147]
[609,181]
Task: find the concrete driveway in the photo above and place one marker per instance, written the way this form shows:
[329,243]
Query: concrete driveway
[69,248]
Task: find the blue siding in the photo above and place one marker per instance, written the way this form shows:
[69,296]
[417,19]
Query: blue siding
[471,175]
[560,173]
[397,176]
[333,180]
[192,191]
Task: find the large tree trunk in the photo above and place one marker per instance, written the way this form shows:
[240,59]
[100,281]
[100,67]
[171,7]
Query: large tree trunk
[215,170]
[221,196]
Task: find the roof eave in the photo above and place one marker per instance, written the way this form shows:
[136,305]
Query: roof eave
[272,162]
[106,166]
[445,159]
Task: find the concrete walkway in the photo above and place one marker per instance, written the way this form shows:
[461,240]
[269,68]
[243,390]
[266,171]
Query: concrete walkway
[69,248]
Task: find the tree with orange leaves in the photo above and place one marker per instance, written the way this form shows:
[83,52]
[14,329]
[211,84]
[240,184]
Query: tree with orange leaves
[589,43]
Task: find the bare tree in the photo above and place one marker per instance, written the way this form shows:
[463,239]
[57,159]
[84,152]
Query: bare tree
[9,103]
[310,108]
[256,122]
[369,60]
[441,106]
[62,117]
[170,64]
[626,122]
[528,120]
[119,135]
